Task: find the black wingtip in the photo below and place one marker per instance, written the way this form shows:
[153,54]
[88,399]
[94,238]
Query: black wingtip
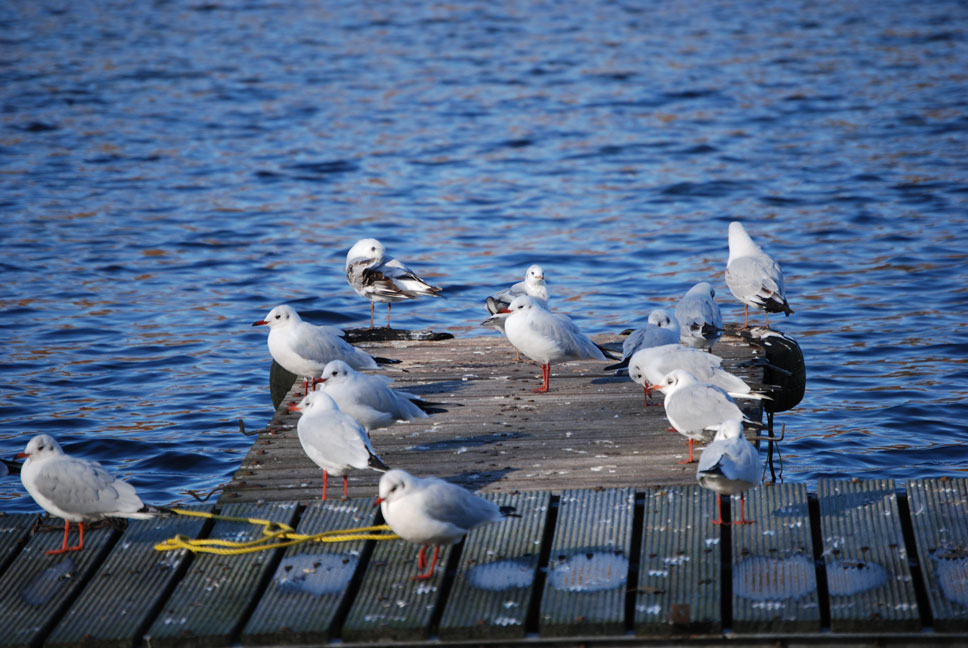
[509,511]
[621,365]
[377,464]
[386,361]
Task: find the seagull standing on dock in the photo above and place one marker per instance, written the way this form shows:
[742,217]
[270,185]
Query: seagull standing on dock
[334,441]
[546,337]
[381,278]
[661,328]
[533,285]
[650,365]
[367,397]
[304,349]
[432,511]
[696,409]
[730,465]
[700,320]
[753,276]
[77,490]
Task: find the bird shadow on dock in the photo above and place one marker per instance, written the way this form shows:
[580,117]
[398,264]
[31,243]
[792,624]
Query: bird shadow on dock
[465,442]
[477,479]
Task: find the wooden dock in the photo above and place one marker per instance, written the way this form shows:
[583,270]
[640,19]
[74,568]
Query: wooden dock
[614,546]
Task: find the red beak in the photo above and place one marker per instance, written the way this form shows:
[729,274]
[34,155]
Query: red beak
[293,407]
[504,310]
[378,501]
[657,387]
[260,323]
[21,455]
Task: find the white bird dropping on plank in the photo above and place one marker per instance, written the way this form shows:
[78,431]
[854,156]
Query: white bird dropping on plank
[753,276]
[381,278]
[304,349]
[546,337]
[533,285]
[334,441]
[75,489]
[700,320]
[367,398]
[694,409]
[432,511]
[730,465]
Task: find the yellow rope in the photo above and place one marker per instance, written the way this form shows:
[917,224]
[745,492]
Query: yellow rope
[274,536]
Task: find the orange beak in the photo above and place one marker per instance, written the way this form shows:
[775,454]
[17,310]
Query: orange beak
[260,323]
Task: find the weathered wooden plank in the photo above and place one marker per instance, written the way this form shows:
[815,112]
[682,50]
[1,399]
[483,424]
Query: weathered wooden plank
[128,587]
[868,577]
[939,515]
[589,563]
[774,577]
[391,606]
[207,607]
[679,565]
[36,588]
[495,578]
[14,530]
[310,584]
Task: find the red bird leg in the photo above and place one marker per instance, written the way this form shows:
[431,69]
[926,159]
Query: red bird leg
[690,459]
[719,509]
[422,557]
[345,487]
[742,511]
[64,544]
[648,392]
[746,316]
[371,314]
[546,379]
[305,386]
[433,564]
[325,483]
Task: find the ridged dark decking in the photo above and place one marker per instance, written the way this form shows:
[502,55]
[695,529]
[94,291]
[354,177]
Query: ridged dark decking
[605,566]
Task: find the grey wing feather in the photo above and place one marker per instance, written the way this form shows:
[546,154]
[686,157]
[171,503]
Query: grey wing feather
[450,503]
[86,488]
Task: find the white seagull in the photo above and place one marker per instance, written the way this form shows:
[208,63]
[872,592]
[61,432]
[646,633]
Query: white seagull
[533,285]
[695,409]
[367,398]
[335,441]
[730,465]
[304,349]
[753,276]
[661,328]
[700,320]
[381,278]
[432,511]
[77,490]
[546,337]
[649,366]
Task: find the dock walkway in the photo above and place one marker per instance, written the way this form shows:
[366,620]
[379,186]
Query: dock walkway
[614,546]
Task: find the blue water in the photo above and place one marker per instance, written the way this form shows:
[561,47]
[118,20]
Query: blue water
[169,171]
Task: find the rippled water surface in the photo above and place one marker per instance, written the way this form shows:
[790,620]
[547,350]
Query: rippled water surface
[169,171]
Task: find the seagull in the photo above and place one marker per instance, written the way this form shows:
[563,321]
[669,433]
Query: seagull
[304,349]
[334,440]
[650,365]
[661,328]
[77,490]
[730,465]
[694,408]
[546,337]
[699,317]
[753,276]
[381,278]
[533,285]
[367,398]
[432,511]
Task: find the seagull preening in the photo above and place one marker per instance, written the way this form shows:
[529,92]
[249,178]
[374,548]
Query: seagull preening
[367,398]
[75,489]
[649,366]
[533,285]
[730,465]
[700,320]
[546,337]
[660,329]
[432,511]
[304,349]
[381,278]
[753,276]
[696,409]
[334,441]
